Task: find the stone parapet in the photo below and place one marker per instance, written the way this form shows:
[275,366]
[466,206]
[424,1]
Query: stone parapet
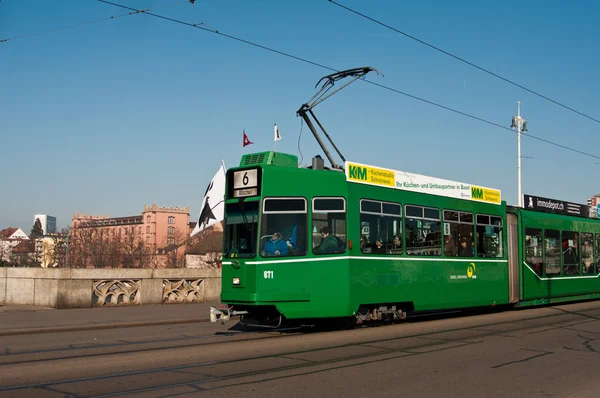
[80,288]
[2,285]
[170,273]
[111,273]
[37,273]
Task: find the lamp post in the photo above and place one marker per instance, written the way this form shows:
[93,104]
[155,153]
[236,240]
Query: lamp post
[518,122]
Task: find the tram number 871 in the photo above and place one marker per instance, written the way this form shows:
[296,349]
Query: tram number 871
[268,274]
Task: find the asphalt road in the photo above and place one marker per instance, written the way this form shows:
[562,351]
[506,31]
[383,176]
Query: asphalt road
[552,351]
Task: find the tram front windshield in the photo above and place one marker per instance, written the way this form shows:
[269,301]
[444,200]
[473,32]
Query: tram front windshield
[241,221]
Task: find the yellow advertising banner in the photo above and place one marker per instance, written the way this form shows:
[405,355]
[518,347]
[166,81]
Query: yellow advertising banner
[365,174]
[370,175]
[488,195]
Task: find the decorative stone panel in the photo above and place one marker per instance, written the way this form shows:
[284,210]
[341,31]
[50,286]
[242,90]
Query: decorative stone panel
[116,292]
[183,291]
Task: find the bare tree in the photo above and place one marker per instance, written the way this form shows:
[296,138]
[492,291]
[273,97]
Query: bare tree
[5,253]
[131,247]
[104,249]
[81,239]
[96,247]
[214,255]
[175,249]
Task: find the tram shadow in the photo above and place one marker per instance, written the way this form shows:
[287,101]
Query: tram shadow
[336,324]
[465,312]
[249,327]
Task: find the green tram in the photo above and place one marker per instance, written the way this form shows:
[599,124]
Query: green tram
[365,243]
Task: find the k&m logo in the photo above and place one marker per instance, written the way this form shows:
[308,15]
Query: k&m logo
[371,175]
[357,173]
[476,193]
[486,195]
[471,271]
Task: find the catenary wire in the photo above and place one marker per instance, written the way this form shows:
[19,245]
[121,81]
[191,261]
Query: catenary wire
[483,120]
[465,61]
[87,22]
[368,81]
[224,35]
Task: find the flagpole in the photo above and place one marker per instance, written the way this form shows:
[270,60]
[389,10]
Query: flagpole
[244,150]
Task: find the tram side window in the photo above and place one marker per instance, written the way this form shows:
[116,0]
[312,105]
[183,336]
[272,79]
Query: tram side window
[489,236]
[570,252]
[283,227]
[587,252]
[423,236]
[329,225]
[458,234]
[533,249]
[552,248]
[380,227]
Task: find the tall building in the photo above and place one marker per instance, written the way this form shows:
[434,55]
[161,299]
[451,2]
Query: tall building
[594,201]
[48,223]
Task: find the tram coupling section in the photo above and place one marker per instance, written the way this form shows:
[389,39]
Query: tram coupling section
[224,314]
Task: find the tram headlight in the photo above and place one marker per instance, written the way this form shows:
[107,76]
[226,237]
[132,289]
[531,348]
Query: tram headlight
[236,281]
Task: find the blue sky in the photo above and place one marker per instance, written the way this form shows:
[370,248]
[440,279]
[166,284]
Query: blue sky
[106,117]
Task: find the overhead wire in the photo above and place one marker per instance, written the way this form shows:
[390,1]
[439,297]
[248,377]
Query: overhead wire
[465,61]
[367,81]
[92,21]
[223,34]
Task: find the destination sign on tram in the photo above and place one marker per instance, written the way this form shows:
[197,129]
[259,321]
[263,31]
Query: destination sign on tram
[365,174]
[245,183]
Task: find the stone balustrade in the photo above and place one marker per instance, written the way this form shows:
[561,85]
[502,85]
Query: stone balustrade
[81,288]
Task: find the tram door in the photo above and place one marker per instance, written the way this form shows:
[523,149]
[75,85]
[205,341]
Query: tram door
[513,258]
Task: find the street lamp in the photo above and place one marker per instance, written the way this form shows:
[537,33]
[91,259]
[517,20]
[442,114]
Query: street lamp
[518,122]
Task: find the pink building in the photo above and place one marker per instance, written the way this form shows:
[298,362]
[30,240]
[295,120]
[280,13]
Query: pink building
[133,240]
[165,226]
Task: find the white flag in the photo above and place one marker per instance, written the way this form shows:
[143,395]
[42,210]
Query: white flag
[277,135]
[212,209]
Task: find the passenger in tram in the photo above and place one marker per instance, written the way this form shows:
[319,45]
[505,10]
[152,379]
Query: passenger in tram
[380,246]
[293,238]
[396,246]
[364,241]
[464,250]
[570,256]
[390,248]
[329,243]
[276,246]
[450,246]
[365,245]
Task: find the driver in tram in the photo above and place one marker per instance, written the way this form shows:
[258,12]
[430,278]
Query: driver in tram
[276,246]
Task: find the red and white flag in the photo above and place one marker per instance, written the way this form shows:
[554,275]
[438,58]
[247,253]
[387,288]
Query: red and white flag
[246,140]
